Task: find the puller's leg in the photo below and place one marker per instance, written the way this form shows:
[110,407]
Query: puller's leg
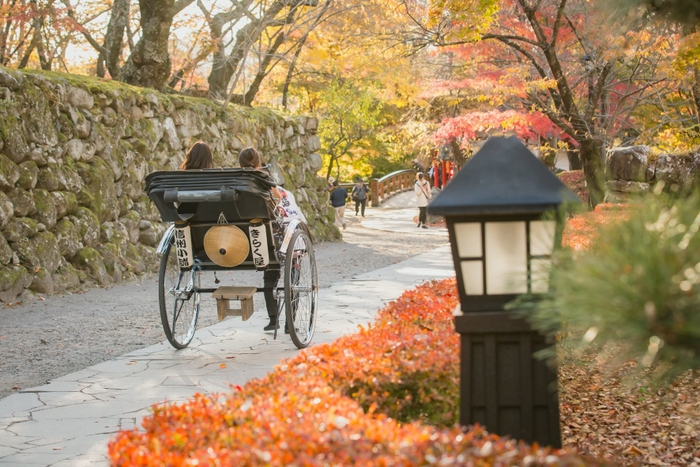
[270,278]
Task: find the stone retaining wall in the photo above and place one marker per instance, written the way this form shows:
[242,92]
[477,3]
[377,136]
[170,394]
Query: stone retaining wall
[634,171]
[73,155]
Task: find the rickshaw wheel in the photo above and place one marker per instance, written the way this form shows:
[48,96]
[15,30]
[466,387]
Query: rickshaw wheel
[300,289]
[179,299]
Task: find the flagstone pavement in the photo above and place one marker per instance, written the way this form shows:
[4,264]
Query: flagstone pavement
[69,421]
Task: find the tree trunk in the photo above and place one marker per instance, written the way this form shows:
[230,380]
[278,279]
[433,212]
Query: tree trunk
[114,37]
[224,67]
[300,47]
[593,169]
[44,61]
[574,160]
[221,66]
[37,41]
[548,154]
[3,36]
[100,69]
[330,167]
[262,70]
[690,29]
[459,156]
[290,73]
[149,63]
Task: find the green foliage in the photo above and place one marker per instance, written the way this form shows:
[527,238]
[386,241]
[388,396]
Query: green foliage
[479,14]
[637,289]
[421,396]
[403,142]
[349,114]
[382,165]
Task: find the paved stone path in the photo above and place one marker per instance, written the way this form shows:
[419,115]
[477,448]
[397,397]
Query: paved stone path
[397,215]
[69,421]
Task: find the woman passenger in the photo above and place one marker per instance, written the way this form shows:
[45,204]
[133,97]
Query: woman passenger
[198,157]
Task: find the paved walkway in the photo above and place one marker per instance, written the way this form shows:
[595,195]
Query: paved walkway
[69,421]
[396,215]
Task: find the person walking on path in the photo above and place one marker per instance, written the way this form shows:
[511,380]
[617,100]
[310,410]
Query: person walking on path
[359,196]
[337,199]
[417,166]
[422,190]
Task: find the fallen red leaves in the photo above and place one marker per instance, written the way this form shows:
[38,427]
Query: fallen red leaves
[380,397]
[324,407]
[576,182]
[581,230]
[438,224]
[615,416]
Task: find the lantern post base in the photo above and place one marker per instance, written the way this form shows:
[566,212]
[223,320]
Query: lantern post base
[502,386]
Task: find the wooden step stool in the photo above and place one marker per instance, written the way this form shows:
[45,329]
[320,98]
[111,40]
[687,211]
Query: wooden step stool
[243,294]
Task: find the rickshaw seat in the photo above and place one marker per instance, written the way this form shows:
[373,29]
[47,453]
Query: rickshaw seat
[202,199]
[200,196]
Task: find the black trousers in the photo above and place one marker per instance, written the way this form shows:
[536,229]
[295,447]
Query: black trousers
[360,204]
[270,279]
[422,214]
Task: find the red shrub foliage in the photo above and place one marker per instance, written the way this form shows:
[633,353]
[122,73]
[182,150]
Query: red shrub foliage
[323,407]
[576,182]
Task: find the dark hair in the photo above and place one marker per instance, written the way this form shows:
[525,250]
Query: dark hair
[249,157]
[421,175]
[198,157]
[335,183]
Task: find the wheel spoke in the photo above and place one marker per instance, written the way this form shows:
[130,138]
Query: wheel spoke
[179,300]
[301,289]
[177,311]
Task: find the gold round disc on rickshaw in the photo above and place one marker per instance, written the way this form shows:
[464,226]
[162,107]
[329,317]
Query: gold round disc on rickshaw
[226,245]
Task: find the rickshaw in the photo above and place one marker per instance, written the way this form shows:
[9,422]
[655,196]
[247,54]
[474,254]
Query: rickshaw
[223,220]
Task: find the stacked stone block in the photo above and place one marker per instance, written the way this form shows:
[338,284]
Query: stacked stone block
[74,152]
[634,171]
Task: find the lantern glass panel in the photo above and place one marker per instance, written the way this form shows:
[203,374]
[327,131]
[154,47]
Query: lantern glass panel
[542,237]
[506,258]
[473,277]
[540,275]
[468,235]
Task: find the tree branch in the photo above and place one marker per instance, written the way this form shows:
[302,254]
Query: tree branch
[180,5]
[598,91]
[502,37]
[96,45]
[553,116]
[557,24]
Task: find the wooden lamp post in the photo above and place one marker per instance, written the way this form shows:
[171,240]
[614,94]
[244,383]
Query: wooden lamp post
[501,247]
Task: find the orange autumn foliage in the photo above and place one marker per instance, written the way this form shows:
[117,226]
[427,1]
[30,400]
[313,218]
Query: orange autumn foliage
[582,229]
[309,410]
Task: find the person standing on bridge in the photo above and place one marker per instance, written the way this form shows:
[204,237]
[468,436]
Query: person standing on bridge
[359,196]
[337,199]
[422,189]
[417,166]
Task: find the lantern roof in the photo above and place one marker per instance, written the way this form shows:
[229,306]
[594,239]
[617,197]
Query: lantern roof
[503,177]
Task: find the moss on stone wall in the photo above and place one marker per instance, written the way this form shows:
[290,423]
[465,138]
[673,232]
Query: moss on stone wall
[81,147]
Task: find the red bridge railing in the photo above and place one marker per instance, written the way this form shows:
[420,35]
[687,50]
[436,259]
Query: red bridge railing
[389,185]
